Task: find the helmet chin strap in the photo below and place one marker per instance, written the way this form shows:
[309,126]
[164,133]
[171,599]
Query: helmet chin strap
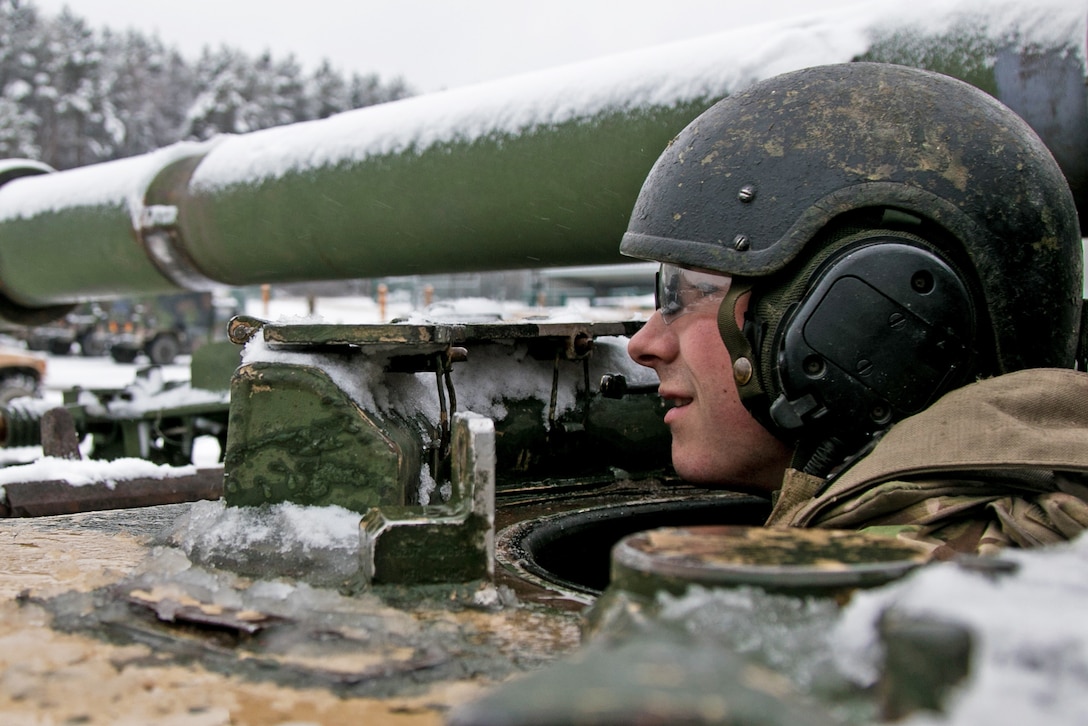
[738,345]
[817,460]
[749,388]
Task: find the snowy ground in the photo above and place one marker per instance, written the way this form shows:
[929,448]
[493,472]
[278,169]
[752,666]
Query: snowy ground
[69,371]
[64,373]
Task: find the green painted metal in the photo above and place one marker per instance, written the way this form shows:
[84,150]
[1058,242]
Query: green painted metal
[449,542]
[294,435]
[559,195]
[89,250]
[213,364]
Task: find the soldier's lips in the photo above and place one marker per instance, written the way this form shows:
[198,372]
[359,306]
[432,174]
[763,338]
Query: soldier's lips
[675,405]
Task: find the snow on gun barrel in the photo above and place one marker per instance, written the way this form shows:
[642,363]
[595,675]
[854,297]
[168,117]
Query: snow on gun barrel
[538,170]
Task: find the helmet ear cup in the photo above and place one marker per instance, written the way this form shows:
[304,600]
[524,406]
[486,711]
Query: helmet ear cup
[871,330]
[771,308]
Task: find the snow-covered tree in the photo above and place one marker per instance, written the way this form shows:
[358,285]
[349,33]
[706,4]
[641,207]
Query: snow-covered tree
[148,92]
[71,95]
[21,40]
[368,90]
[17,131]
[328,92]
[67,97]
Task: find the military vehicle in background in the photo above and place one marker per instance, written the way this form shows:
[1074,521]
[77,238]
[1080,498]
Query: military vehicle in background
[160,327]
[161,346]
[407,510]
[85,328]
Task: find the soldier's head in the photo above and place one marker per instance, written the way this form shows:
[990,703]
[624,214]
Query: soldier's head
[876,235]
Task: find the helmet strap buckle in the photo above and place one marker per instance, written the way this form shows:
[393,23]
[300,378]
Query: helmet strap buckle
[737,343]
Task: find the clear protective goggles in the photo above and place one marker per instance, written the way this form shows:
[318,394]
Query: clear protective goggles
[680,291]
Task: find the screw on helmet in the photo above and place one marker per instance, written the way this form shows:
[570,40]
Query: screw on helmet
[890,177]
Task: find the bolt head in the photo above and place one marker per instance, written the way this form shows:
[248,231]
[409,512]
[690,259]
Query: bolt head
[742,371]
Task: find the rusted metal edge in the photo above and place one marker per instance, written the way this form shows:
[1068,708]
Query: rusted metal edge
[411,334]
[46,498]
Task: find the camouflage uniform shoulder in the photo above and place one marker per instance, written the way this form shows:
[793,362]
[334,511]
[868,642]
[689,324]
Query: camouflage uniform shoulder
[1007,455]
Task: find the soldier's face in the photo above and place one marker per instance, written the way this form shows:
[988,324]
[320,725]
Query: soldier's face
[715,441]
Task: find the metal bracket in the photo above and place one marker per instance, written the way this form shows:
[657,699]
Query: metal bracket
[453,542]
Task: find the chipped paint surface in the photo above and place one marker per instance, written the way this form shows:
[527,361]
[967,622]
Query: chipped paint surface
[92,631]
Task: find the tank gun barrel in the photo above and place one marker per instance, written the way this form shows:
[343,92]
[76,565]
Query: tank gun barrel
[539,170]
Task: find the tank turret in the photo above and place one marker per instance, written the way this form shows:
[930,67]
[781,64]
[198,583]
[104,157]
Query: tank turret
[409,511]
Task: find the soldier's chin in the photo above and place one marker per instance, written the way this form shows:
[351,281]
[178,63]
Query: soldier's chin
[695,473]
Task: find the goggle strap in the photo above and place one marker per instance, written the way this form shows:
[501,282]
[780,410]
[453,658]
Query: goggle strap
[740,349]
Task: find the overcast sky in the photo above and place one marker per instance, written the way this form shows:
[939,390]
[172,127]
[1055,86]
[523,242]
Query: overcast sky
[432,44]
